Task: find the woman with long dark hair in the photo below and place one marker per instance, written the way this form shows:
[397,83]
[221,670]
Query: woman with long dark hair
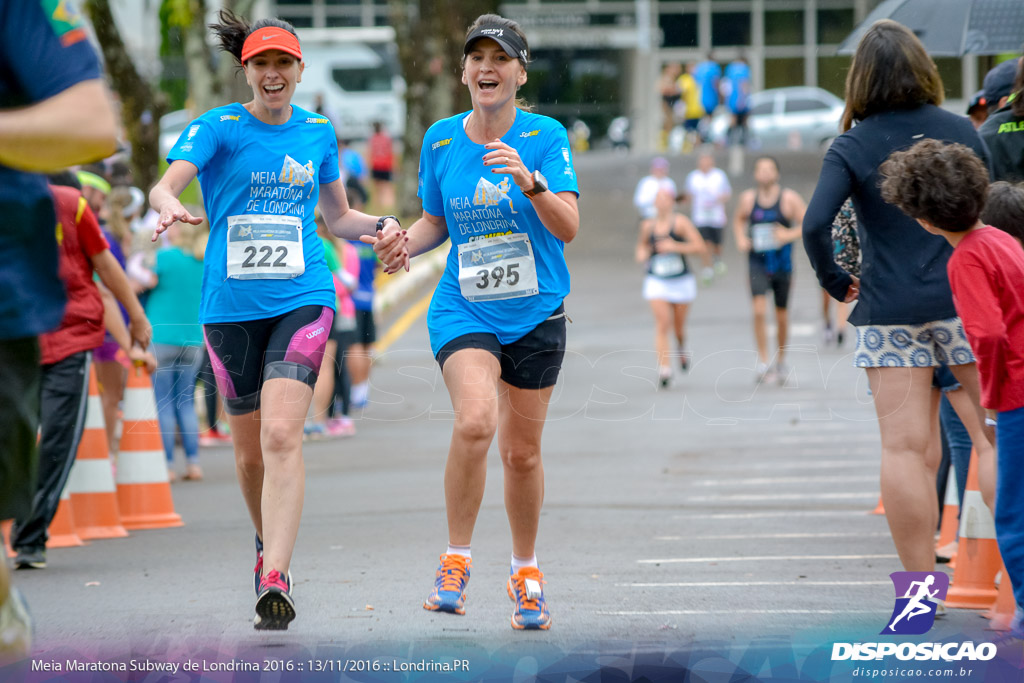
[268,298]
[906,322]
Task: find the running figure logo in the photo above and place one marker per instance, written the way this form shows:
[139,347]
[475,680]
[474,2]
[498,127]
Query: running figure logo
[914,612]
[489,194]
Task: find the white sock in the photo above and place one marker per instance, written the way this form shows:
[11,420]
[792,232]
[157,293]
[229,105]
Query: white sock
[360,392]
[520,562]
[459,550]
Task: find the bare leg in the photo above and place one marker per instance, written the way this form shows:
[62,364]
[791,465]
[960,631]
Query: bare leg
[679,313]
[359,359]
[662,314]
[284,403]
[905,406]
[521,421]
[323,392]
[782,333]
[111,376]
[760,328]
[973,417]
[472,379]
[245,433]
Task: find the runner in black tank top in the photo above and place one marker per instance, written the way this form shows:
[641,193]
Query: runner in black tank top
[663,244]
[768,220]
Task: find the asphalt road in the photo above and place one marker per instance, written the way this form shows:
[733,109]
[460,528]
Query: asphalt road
[715,514]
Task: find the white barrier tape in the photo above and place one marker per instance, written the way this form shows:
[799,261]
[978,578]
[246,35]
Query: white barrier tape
[403,284]
[976,519]
[139,404]
[142,467]
[91,476]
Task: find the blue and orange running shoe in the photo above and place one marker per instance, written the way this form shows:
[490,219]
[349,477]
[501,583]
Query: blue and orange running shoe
[449,594]
[275,608]
[526,588]
[257,572]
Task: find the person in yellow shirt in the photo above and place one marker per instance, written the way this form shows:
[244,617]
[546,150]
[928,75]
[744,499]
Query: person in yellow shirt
[691,106]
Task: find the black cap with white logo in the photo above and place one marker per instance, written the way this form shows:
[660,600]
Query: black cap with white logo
[510,42]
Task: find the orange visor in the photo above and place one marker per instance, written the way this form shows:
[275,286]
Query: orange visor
[270,38]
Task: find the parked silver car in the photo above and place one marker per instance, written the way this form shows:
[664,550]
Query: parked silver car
[787,118]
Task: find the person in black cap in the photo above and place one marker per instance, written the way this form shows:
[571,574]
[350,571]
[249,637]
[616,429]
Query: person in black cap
[1003,132]
[499,182]
[977,109]
[998,84]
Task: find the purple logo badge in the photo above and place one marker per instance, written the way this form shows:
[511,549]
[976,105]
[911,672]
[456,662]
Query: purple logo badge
[914,612]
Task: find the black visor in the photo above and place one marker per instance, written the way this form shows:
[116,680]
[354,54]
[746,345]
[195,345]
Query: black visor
[509,40]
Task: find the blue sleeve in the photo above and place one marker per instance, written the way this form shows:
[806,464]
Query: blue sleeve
[329,168]
[43,51]
[834,186]
[198,143]
[557,164]
[429,190]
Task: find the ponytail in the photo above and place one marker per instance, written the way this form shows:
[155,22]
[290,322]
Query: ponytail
[233,29]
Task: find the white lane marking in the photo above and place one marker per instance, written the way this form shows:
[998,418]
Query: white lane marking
[860,463]
[824,453]
[762,481]
[828,439]
[742,497]
[767,515]
[739,584]
[715,612]
[765,558]
[744,537]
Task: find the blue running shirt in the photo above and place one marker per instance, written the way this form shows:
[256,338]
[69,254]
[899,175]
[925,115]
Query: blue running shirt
[251,172]
[478,204]
[737,74]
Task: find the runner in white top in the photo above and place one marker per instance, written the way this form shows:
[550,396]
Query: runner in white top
[708,190]
[649,186]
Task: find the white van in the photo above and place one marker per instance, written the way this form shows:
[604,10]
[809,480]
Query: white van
[356,71]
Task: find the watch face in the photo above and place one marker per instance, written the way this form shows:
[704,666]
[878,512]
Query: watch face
[540,183]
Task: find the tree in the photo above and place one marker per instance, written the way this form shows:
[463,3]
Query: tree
[430,37]
[141,105]
[212,77]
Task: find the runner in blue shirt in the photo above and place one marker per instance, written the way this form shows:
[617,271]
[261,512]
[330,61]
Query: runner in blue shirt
[267,297]
[499,182]
[708,76]
[736,94]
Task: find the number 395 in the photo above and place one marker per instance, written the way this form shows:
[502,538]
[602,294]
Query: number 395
[498,274]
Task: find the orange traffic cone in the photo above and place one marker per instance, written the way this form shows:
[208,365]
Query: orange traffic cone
[950,512]
[61,531]
[91,483]
[977,557]
[143,489]
[1002,612]
[879,509]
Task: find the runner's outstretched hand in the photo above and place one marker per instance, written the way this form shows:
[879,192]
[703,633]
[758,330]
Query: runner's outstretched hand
[171,213]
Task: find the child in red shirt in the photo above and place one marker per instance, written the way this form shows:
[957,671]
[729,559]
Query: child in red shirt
[944,187]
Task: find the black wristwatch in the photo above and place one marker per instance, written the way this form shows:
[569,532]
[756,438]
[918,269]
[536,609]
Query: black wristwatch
[540,184]
[380,221]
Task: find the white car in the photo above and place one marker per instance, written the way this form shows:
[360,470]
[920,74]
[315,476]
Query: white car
[787,118]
